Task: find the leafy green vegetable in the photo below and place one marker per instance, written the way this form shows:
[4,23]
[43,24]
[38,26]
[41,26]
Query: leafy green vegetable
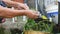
[44,25]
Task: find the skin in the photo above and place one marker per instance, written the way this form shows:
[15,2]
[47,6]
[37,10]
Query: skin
[9,13]
[16,4]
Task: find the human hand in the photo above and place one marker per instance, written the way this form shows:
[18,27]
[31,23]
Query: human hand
[22,6]
[32,14]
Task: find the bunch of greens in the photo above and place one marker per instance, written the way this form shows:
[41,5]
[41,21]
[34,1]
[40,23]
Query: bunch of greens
[2,30]
[44,25]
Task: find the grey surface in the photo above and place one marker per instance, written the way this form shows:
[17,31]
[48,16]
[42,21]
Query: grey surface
[55,19]
[19,24]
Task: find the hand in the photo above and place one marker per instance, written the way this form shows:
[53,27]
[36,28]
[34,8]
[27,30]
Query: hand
[22,6]
[32,14]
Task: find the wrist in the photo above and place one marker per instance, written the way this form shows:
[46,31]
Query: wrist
[22,12]
[26,12]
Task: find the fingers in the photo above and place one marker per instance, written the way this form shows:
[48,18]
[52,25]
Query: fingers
[24,6]
[32,14]
[27,8]
[35,16]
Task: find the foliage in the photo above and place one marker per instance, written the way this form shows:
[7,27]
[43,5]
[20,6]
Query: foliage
[44,25]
